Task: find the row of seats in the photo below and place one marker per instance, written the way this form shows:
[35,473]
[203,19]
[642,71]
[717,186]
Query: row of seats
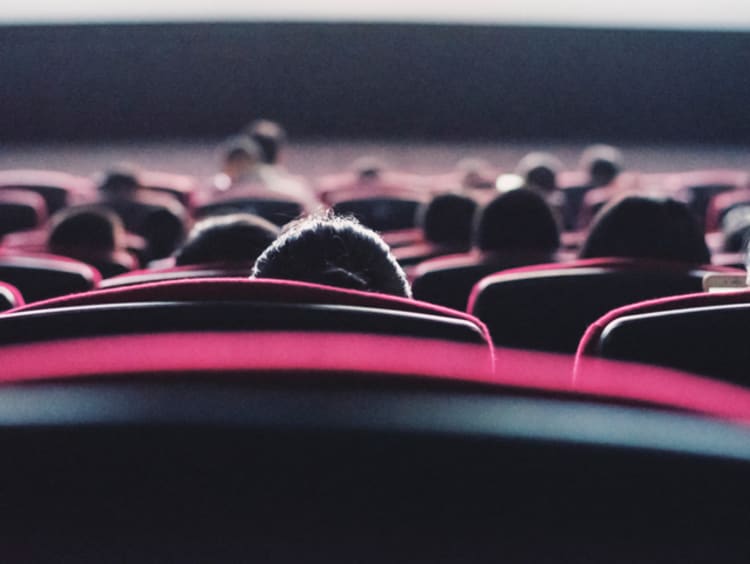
[560,308]
[233,326]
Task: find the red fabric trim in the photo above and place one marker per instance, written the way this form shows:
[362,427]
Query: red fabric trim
[626,264]
[13,293]
[246,351]
[270,290]
[589,341]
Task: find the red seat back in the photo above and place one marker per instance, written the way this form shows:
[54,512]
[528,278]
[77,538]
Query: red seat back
[549,307]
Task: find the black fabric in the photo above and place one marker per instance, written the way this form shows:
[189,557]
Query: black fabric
[228,316]
[381,213]
[709,340]
[550,311]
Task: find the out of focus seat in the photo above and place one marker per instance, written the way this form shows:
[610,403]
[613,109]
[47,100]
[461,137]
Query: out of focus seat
[21,210]
[39,277]
[276,211]
[58,189]
[10,297]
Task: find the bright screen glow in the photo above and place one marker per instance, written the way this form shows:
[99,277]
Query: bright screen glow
[689,14]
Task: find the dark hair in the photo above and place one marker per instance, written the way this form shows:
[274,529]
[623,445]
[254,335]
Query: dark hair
[447,219]
[119,178]
[269,136]
[539,170]
[164,230]
[337,251]
[230,238]
[646,227]
[602,162]
[519,220]
[85,229]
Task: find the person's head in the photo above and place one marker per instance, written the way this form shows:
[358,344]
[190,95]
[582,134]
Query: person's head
[85,230]
[237,238]
[239,155]
[602,163]
[120,180]
[518,220]
[270,137]
[539,171]
[336,251]
[369,168]
[476,173]
[646,227]
[447,219]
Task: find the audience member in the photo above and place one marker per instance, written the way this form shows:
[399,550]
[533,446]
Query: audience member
[447,220]
[270,137]
[158,218]
[519,220]
[244,174]
[93,235]
[539,172]
[516,228]
[603,163]
[234,238]
[446,224]
[646,227]
[337,251]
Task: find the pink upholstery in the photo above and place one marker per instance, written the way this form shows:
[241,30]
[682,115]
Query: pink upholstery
[588,344]
[304,353]
[378,357]
[619,381]
[10,297]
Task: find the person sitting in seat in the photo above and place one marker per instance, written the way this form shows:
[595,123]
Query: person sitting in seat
[158,218]
[603,163]
[516,228]
[649,228]
[539,172]
[245,174]
[337,251]
[234,238]
[446,223]
[93,235]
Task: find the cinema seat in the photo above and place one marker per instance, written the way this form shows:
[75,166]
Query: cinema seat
[699,187]
[448,280]
[248,325]
[20,210]
[39,277]
[548,307]
[58,189]
[381,212]
[702,333]
[10,297]
[276,211]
